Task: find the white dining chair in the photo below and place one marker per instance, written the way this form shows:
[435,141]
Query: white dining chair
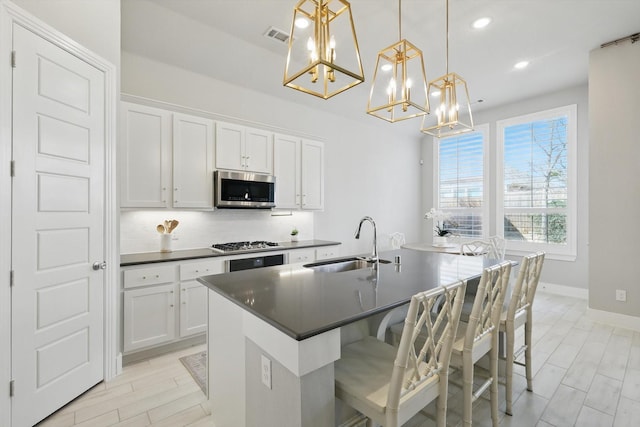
[476,248]
[479,336]
[499,247]
[518,314]
[389,385]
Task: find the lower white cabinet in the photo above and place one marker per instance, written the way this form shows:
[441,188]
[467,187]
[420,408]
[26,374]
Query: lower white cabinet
[302,255]
[164,302]
[149,316]
[327,252]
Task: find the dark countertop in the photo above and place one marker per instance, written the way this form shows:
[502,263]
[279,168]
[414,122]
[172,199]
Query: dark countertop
[152,257]
[302,302]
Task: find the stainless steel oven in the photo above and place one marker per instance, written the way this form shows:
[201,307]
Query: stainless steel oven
[255,262]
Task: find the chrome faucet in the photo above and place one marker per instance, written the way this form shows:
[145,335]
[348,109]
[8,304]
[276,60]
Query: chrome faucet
[374,253]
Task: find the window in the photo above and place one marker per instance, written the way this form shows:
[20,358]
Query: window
[461,182]
[536,181]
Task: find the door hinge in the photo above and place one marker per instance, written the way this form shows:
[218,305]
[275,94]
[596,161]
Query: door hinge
[13,59]
[12,387]
[12,168]
[11,278]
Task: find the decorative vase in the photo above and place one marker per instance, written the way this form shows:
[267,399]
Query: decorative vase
[294,238]
[439,240]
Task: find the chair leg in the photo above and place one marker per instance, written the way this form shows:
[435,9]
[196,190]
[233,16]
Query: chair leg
[494,381]
[527,354]
[510,337]
[467,389]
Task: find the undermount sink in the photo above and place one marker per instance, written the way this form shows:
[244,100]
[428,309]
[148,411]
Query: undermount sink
[343,264]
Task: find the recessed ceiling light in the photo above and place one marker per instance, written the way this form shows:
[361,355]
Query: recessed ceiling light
[435,93]
[386,67]
[521,65]
[302,22]
[481,22]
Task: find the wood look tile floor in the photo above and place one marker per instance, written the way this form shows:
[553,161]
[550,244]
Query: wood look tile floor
[585,374]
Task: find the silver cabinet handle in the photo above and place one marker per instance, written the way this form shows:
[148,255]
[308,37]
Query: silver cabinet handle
[99,265]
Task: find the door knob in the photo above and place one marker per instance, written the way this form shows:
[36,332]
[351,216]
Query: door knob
[100,265]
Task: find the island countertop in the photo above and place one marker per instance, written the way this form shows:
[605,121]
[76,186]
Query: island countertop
[302,302]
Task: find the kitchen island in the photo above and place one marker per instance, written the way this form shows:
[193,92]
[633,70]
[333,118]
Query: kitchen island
[275,332]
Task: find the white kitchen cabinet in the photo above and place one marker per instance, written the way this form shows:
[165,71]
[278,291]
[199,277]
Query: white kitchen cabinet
[243,148]
[302,255]
[166,159]
[149,316]
[192,162]
[193,295]
[145,156]
[164,303]
[299,169]
[327,252]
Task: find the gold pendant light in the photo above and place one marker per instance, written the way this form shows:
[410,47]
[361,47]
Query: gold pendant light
[399,89]
[323,48]
[453,111]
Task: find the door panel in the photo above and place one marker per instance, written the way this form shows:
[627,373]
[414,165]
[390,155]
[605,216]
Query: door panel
[58,227]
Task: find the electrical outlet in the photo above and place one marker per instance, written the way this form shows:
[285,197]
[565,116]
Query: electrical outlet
[265,370]
[621,295]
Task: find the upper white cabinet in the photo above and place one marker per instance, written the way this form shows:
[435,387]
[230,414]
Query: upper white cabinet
[243,148]
[192,162]
[166,159]
[145,156]
[299,169]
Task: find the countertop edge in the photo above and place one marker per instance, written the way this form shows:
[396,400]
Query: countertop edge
[141,258]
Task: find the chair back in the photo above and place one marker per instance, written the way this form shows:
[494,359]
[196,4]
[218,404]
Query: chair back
[526,284]
[499,247]
[413,367]
[487,305]
[476,248]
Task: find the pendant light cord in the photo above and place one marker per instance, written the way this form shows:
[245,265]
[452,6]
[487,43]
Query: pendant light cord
[399,20]
[447,48]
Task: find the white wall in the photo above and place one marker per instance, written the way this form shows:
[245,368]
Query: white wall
[614,208]
[565,273]
[371,167]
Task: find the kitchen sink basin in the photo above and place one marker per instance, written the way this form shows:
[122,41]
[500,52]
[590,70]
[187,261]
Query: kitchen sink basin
[343,264]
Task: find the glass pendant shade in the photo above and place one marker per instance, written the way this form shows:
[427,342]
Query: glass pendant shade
[399,89]
[452,113]
[324,58]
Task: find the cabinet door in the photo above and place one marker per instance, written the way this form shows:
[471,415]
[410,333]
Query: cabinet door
[192,162]
[258,151]
[312,177]
[286,168]
[193,308]
[229,142]
[327,252]
[145,157]
[149,316]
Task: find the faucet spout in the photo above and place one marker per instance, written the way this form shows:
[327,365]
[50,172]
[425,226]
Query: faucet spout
[374,252]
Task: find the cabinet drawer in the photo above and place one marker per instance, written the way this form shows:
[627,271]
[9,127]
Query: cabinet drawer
[194,270]
[302,255]
[327,252]
[149,276]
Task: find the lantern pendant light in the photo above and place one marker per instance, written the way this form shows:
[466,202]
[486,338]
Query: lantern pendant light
[323,58]
[399,89]
[453,110]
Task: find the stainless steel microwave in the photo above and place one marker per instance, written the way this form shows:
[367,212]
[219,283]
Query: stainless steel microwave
[243,190]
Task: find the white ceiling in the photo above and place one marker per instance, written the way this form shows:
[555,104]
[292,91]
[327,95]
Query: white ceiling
[554,35]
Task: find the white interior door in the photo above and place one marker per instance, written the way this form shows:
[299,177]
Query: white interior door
[58,227]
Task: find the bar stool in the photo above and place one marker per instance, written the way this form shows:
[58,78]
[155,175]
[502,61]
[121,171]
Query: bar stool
[390,385]
[479,336]
[518,314]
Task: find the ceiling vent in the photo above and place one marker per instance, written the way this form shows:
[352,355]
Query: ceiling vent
[277,35]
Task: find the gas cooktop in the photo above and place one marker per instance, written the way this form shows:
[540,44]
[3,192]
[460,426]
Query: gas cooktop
[243,246]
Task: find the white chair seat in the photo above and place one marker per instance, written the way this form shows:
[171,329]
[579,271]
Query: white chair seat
[371,379]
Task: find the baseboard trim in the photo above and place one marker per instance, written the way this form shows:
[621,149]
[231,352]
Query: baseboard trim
[130,358]
[614,319]
[567,291]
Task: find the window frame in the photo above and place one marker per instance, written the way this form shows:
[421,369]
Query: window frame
[561,252]
[484,130]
